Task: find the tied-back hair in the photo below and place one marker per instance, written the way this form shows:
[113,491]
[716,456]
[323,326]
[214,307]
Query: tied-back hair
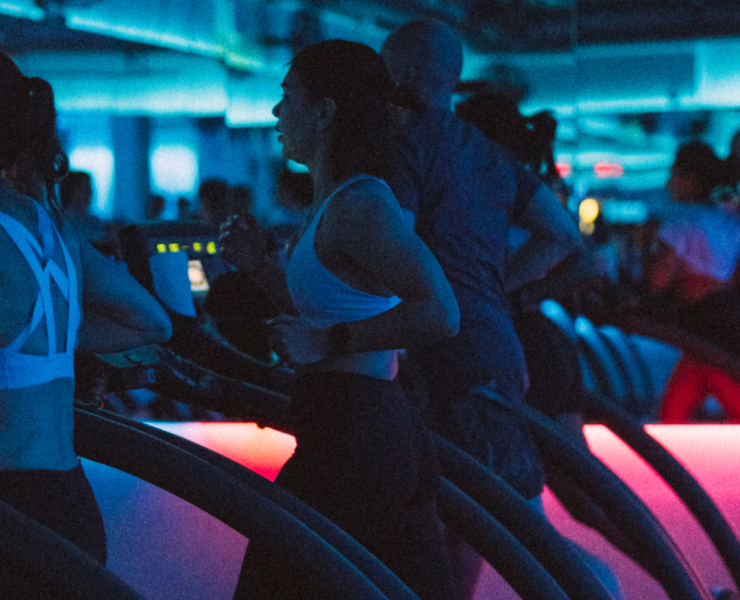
[531,139]
[357,79]
[28,134]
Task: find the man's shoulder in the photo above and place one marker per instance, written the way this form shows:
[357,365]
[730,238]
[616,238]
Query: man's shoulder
[436,127]
[441,121]
[426,125]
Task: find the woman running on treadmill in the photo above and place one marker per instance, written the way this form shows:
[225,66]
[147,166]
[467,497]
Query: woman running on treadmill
[58,294]
[360,285]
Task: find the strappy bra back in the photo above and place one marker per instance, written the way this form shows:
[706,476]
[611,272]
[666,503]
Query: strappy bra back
[318,294]
[18,369]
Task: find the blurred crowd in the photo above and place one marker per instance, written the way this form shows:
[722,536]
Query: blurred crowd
[680,265]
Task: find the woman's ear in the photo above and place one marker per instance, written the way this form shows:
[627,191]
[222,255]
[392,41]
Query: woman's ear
[327,110]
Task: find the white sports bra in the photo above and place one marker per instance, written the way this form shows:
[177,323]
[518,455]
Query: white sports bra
[318,294]
[17,369]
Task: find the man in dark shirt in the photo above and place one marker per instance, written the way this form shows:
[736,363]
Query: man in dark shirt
[462,192]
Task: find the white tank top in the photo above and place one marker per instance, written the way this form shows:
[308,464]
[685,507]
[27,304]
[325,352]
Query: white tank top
[318,294]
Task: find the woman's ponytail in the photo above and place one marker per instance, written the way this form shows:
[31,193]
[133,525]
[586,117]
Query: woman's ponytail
[29,145]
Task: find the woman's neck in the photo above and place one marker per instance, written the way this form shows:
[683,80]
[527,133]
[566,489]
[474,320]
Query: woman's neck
[325,188]
[322,190]
[322,171]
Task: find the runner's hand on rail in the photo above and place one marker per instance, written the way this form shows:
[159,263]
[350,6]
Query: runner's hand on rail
[242,242]
[297,342]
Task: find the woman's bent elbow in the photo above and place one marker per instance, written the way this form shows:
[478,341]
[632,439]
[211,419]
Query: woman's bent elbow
[160,326]
[452,327]
[164,331]
[450,321]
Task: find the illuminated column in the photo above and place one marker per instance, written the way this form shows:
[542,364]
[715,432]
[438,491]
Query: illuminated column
[87,140]
[131,149]
[214,150]
[173,152]
[241,156]
[255,157]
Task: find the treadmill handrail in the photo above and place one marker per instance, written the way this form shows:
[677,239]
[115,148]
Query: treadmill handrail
[515,563]
[682,339]
[680,480]
[387,581]
[495,544]
[235,504]
[529,527]
[668,565]
[30,548]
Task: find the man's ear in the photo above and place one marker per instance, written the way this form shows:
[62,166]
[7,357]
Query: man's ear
[327,110]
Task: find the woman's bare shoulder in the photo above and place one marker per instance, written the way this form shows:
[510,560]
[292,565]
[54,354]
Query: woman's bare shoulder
[16,205]
[366,197]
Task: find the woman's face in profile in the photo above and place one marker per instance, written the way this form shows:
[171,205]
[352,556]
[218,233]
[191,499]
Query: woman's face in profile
[296,121]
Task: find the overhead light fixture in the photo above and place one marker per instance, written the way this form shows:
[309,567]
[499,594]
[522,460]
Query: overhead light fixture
[588,210]
[231,57]
[22,10]
[608,170]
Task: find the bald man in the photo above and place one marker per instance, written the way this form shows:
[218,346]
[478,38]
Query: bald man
[462,192]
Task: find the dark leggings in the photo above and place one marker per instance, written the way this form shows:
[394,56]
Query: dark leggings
[61,500]
[364,460]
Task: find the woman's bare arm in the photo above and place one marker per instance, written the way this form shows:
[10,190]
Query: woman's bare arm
[117,312]
[365,228]
[243,245]
[369,229]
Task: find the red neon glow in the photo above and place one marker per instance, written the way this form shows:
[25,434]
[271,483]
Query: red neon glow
[710,452]
[563,169]
[262,450]
[608,170]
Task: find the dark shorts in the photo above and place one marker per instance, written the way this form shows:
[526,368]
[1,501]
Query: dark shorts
[364,460]
[555,378]
[61,500]
[487,428]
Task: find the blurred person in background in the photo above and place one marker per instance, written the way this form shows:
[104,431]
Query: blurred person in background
[555,379]
[556,386]
[692,277]
[239,307]
[214,198]
[76,195]
[241,199]
[184,212]
[155,208]
[530,139]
